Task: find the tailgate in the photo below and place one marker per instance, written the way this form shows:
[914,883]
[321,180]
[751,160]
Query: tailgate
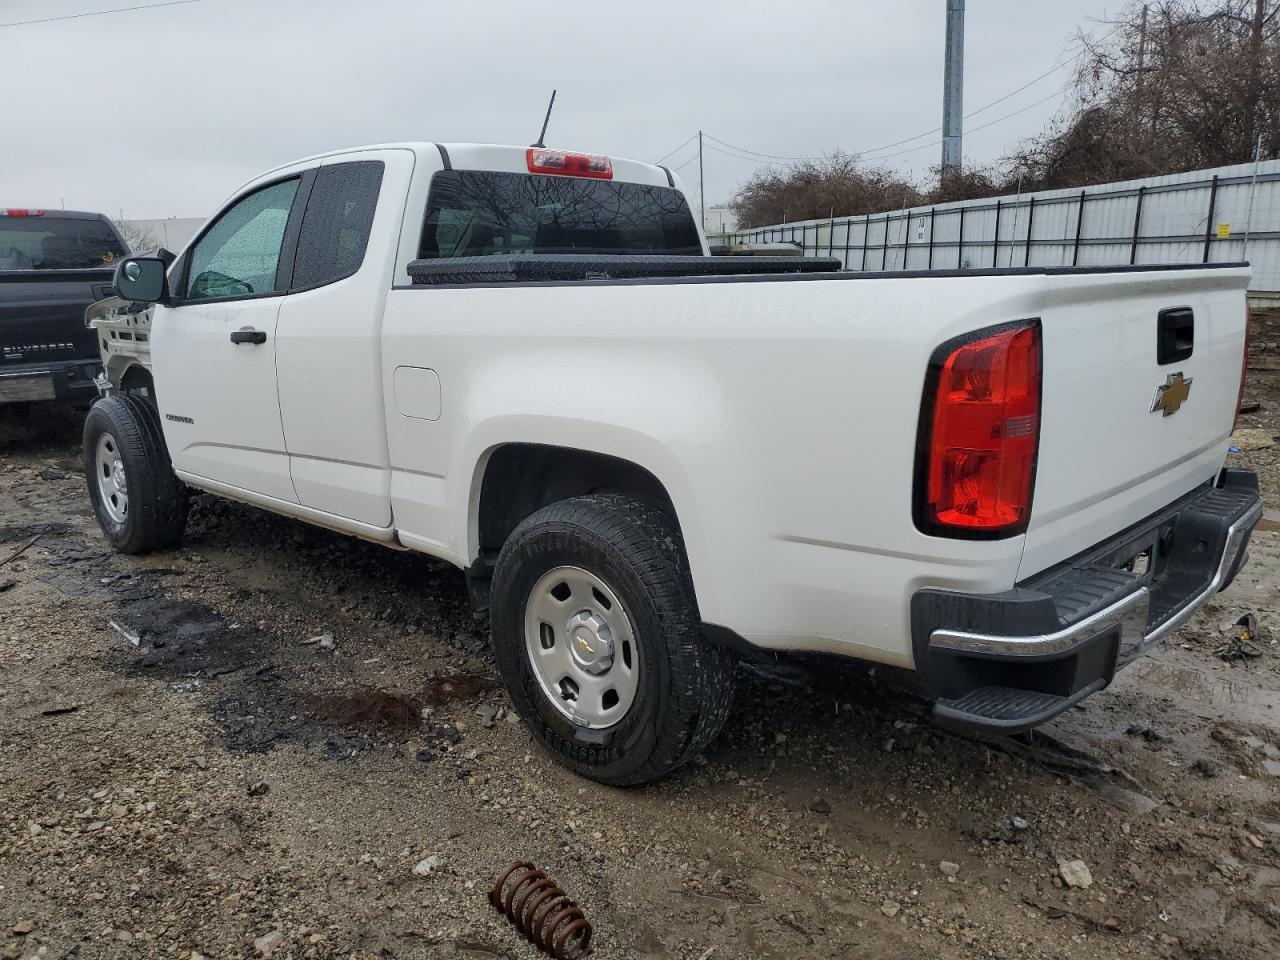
[42,315]
[1107,459]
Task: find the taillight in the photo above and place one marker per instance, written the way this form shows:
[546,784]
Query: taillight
[563,164]
[1244,368]
[979,434]
[23,213]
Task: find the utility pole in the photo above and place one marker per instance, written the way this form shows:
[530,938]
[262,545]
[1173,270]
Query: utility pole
[702,193]
[1142,55]
[1255,65]
[953,91]
[1142,42]
[1253,188]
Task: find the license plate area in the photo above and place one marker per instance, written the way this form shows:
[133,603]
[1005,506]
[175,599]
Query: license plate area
[19,389]
[1145,555]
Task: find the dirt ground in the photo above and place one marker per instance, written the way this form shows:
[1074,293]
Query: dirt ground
[183,775]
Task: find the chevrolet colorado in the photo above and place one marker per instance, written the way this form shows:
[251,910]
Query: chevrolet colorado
[53,264]
[647,459]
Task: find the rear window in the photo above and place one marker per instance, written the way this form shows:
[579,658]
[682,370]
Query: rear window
[479,213]
[56,243]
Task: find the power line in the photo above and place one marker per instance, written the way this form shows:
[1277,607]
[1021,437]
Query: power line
[983,126]
[897,143]
[736,156]
[974,113]
[899,153]
[677,149]
[686,163]
[1029,106]
[99,13]
[1061,65]
[766,156]
[1030,83]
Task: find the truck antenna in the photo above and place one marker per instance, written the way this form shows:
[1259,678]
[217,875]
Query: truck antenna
[545,120]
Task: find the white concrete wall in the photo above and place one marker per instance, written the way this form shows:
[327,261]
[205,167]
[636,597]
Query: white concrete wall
[172,233]
[720,220]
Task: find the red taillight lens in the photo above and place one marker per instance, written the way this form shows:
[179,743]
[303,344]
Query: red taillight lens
[1244,368]
[23,213]
[563,164]
[983,422]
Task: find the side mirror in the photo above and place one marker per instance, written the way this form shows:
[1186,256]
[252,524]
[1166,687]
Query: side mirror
[142,280]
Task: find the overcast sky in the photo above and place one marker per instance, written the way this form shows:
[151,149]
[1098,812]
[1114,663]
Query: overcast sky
[164,112]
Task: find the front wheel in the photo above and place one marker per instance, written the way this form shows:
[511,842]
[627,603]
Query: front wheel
[140,503]
[597,635]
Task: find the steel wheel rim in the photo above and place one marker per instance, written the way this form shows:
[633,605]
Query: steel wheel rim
[113,483]
[581,647]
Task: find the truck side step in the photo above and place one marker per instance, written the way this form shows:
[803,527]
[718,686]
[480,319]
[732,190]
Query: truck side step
[1006,709]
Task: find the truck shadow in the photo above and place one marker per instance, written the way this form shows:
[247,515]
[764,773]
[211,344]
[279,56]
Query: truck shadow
[27,428]
[403,637]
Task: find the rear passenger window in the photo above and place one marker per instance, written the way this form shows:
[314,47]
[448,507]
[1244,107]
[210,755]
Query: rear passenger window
[335,228]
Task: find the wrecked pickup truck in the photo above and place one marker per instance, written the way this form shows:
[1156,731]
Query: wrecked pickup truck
[648,460]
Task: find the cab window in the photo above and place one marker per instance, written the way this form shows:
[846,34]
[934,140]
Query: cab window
[239,254]
[478,213]
[335,228]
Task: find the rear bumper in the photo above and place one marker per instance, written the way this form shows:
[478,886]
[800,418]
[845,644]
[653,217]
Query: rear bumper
[67,381]
[1008,662]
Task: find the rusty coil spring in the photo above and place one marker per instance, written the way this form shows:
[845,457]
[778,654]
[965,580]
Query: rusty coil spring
[538,909]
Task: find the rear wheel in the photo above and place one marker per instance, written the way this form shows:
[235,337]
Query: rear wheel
[140,503]
[597,635]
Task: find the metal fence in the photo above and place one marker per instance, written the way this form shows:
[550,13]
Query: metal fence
[1206,216]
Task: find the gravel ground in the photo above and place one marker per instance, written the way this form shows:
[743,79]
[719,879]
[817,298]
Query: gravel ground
[183,774]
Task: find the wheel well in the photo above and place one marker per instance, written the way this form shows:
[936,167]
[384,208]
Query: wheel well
[138,379]
[521,478]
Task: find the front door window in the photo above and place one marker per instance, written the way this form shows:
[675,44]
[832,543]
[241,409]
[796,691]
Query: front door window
[239,254]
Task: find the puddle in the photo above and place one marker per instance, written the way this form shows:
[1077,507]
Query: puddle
[259,688]
[29,530]
[1200,689]
[369,708]
[258,699]
[184,639]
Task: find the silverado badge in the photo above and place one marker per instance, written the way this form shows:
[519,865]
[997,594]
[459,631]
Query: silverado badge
[1171,394]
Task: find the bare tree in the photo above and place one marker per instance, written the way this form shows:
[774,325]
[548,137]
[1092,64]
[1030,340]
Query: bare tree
[138,238]
[1169,86]
[835,186]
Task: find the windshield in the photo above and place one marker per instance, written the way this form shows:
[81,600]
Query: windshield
[56,243]
[479,213]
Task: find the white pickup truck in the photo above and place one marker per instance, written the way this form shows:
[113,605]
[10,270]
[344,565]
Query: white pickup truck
[647,459]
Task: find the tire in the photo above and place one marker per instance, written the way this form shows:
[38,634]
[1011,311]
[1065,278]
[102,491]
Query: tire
[676,688]
[149,511]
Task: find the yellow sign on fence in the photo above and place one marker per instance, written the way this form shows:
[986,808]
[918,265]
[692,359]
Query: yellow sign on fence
[1224,231]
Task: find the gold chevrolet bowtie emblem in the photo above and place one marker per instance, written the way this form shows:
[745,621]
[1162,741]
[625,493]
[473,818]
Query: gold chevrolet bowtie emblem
[1171,394]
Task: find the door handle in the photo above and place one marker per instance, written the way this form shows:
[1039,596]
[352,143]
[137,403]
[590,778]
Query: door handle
[248,336]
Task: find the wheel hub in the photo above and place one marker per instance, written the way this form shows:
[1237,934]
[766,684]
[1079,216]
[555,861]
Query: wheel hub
[113,481]
[582,647]
[592,642]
